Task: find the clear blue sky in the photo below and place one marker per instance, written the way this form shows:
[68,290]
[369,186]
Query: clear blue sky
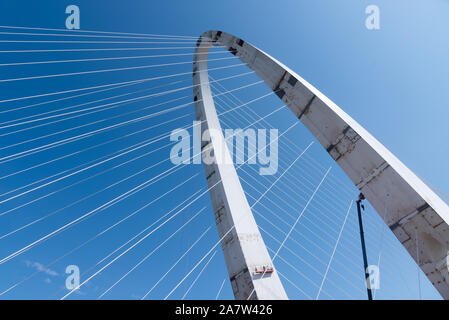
[393,81]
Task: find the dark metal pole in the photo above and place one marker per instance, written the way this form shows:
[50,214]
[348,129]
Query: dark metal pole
[362,240]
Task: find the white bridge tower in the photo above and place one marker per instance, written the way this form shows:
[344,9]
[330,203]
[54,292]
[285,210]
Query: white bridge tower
[416,215]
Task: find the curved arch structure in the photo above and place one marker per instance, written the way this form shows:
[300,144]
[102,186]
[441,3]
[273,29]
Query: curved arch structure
[415,214]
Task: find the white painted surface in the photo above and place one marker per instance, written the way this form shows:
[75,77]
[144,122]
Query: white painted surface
[243,248]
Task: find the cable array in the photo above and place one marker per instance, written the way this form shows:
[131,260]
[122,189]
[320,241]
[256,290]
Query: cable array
[86,177]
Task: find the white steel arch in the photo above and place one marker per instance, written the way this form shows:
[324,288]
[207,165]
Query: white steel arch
[416,215]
